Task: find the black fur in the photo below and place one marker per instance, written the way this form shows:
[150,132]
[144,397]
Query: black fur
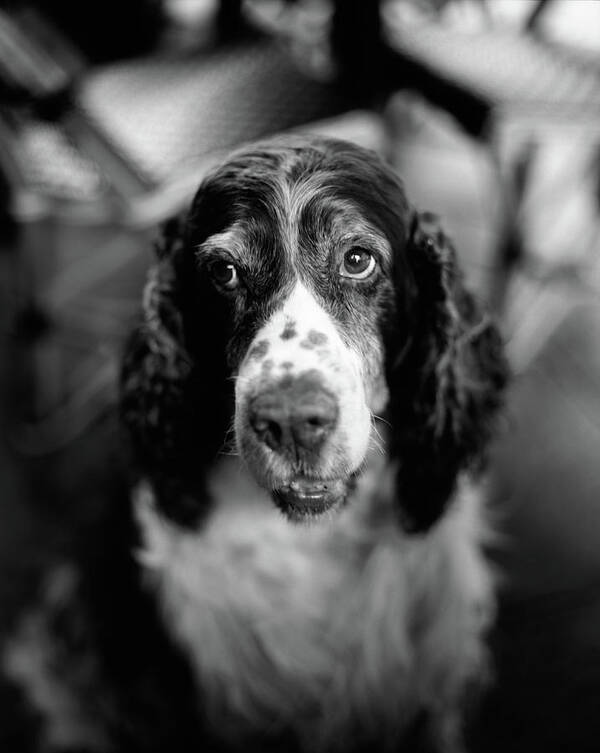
[444,363]
[446,381]
[443,366]
[175,396]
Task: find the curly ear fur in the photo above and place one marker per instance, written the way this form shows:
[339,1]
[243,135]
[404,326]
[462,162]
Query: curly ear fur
[172,381]
[446,383]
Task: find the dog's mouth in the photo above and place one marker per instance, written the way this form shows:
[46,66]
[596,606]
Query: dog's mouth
[305,497]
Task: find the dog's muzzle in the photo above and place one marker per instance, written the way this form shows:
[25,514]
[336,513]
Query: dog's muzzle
[294,417]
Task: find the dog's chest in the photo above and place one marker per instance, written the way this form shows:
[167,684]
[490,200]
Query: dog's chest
[282,621]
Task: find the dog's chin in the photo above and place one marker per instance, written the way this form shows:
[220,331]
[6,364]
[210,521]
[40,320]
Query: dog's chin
[305,498]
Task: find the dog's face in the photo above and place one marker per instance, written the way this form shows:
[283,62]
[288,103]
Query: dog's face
[299,297]
[303,268]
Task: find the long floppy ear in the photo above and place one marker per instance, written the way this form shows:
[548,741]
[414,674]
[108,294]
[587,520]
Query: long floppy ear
[447,381]
[171,400]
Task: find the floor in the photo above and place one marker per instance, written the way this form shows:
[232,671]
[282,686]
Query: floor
[545,470]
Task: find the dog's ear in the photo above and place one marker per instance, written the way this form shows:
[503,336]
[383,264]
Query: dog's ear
[446,381]
[170,401]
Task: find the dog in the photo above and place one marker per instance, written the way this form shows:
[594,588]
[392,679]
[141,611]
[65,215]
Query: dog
[308,400]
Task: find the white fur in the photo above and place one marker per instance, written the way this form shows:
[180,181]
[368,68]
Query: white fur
[341,627]
[335,628]
[341,370]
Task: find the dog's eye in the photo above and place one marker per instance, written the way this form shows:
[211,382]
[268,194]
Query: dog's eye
[357,264]
[224,275]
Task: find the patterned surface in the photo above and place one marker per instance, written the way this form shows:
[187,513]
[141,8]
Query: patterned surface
[548,678]
[501,66]
[162,116]
[53,165]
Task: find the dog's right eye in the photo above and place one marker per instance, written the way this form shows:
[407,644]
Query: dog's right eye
[224,275]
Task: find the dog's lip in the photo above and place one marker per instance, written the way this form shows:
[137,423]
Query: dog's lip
[308,487]
[305,496]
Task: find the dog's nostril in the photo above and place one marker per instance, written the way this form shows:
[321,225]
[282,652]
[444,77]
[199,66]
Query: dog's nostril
[317,416]
[310,432]
[268,431]
[260,425]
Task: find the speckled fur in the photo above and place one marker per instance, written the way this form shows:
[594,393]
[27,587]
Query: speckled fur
[201,618]
[340,630]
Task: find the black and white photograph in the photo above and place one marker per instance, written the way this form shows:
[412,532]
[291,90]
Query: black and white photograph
[300,376]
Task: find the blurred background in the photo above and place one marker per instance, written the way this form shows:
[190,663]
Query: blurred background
[110,112]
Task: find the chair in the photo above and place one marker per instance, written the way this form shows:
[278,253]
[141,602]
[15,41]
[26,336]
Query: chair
[120,147]
[504,88]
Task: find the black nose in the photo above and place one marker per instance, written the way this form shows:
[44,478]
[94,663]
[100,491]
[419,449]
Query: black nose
[294,414]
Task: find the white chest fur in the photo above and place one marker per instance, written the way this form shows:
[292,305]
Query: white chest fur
[337,628]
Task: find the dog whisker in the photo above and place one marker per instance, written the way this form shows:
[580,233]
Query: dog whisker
[376,443]
[380,418]
[292,592]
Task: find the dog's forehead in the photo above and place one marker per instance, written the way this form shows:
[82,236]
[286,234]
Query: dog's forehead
[302,180]
[282,208]
[296,222]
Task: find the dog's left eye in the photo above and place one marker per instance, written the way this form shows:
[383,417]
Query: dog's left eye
[357,264]
[224,275]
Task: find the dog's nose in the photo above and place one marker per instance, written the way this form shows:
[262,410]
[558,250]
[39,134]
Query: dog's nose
[295,413]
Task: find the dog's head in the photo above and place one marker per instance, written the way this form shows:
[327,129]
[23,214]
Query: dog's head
[300,298]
